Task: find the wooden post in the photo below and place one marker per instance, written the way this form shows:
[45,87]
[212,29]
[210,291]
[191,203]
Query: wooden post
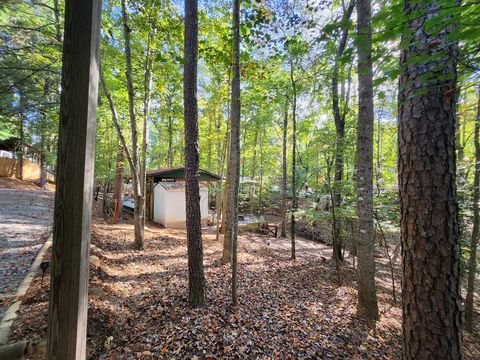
[67,316]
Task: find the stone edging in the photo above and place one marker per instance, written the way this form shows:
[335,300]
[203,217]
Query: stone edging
[12,311]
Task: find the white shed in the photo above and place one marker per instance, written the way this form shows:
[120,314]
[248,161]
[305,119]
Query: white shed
[169,204]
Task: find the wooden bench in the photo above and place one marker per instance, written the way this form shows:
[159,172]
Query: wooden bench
[269,229]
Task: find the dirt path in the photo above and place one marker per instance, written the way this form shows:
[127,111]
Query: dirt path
[25,221]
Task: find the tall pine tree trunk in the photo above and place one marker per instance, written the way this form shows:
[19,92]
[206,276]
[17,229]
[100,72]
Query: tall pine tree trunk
[472,263]
[367,291]
[234,159]
[432,318]
[294,158]
[284,171]
[196,278]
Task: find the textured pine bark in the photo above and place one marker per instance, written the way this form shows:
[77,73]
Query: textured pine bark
[367,291]
[196,278]
[234,159]
[472,263]
[429,225]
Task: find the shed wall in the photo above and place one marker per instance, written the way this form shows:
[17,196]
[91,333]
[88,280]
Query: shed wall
[159,213]
[169,207]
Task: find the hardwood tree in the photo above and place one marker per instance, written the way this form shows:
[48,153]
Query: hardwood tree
[196,278]
[367,291]
[67,315]
[136,155]
[339,117]
[138,172]
[432,318]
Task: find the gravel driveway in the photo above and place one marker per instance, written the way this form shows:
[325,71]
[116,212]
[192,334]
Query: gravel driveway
[25,222]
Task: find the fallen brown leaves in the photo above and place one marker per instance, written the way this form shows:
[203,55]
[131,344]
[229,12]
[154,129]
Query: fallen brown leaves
[286,309]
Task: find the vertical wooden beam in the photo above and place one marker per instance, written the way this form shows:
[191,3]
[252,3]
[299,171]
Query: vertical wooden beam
[67,317]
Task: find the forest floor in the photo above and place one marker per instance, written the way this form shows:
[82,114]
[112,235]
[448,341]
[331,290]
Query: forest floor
[287,309]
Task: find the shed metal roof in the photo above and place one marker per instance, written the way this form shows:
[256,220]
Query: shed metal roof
[178,173]
[13,144]
[176,186]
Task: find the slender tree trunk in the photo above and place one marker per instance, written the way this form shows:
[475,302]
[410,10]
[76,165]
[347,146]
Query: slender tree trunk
[56,14]
[260,193]
[242,144]
[472,263]
[389,256]
[139,209]
[227,247]
[21,135]
[43,169]
[170,139]
[334,215]
[226,241]
[43,150]
[340,132]
[219,202]
[367,291]
[431,299]
[148,85]
[126,150]
[378,170]
[284,171]
[118,187]
[234,160]
[196,278]
[460,143]
[294,158]
[209,151]
[254,168]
